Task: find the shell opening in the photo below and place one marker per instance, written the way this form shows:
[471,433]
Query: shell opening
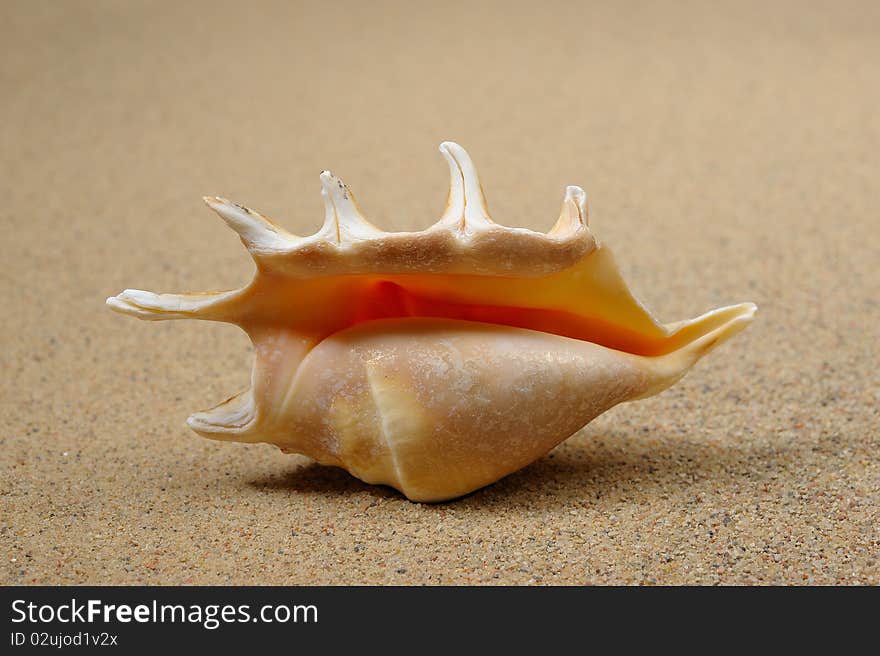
[371,299]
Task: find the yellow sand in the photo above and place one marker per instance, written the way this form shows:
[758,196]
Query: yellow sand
[730,154]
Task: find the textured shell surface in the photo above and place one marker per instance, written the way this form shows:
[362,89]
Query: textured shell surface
[437,361]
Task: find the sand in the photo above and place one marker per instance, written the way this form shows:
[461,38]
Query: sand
[730,153]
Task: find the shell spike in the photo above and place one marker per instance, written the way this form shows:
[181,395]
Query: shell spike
[257,232]
[343,220]
[693,339]
[231,419]
[574,212]
[466,206]
[211,306]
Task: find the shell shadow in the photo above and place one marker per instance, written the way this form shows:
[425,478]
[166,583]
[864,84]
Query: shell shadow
[312,478]
[588,468]
[603,469]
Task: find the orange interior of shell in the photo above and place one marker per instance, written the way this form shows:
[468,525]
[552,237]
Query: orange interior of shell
[386,299]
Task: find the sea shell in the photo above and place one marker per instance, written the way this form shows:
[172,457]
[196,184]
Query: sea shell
[438,361]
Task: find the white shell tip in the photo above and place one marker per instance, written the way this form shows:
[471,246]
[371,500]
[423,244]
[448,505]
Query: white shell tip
[573,215]
[466,207]
[233,417]
[137,303]
[256,231]
[343,220]
[578,196]
[575,192]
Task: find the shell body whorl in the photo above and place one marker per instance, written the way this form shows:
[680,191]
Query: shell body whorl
[397,401]
[434,362]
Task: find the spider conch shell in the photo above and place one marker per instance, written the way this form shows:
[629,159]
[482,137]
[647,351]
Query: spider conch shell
[438,361]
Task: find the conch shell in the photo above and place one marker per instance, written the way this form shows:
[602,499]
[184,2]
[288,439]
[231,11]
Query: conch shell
[438,361]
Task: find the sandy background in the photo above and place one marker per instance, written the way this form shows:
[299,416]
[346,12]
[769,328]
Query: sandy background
[730,154]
